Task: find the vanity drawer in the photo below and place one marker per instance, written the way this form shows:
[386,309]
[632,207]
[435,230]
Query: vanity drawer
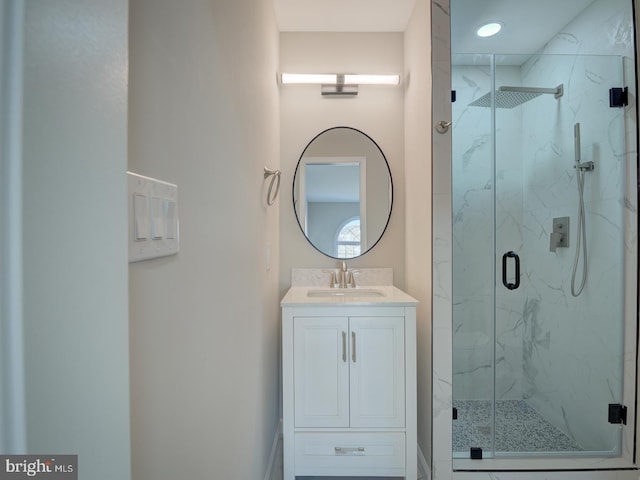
[375,454]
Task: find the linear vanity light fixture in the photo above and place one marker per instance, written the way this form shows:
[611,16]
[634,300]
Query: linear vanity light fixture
[338,83]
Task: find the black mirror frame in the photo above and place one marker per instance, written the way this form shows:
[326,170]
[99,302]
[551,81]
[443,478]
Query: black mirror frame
[293,192]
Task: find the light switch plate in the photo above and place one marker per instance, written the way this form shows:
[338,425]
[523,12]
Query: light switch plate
[170,219]
[140,217]
[153,218]
[157,218]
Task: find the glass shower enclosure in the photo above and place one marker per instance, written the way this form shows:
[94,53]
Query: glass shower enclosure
[538,364]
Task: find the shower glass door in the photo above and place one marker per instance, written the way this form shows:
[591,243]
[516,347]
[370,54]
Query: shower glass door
[535,367]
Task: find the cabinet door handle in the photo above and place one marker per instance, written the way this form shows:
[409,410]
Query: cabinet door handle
[353,347]
[344,347]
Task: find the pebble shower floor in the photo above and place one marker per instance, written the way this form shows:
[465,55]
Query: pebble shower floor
[519,428]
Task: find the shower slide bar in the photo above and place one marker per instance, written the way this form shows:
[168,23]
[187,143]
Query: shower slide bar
[581,241]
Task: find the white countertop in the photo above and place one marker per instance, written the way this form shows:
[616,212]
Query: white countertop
[299,295]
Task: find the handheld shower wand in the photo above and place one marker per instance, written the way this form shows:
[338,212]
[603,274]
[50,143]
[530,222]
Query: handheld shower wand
[581,168]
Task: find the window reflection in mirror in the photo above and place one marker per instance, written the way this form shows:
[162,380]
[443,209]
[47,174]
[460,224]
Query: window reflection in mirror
[348,243]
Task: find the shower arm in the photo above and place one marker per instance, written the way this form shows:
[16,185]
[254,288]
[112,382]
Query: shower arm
[557,92]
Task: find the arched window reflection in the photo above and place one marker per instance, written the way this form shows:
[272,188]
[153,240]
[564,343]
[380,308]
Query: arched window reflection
[347,244]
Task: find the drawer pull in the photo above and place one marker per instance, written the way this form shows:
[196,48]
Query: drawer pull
[349,450]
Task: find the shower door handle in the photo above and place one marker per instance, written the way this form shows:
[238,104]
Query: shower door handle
[505,257]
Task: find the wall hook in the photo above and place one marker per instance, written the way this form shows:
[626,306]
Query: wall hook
[443,126]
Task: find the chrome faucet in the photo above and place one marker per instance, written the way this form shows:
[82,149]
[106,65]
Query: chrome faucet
[333,282]
[343,274]
[343,278]
[347,278]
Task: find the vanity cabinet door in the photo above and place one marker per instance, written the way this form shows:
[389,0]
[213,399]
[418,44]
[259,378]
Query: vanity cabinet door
[321,371]
[349,372]
[377,395]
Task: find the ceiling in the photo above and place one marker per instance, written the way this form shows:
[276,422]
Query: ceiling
[343,15]
[528,24]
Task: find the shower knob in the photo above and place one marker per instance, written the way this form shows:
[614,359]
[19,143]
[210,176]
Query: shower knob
[443,126]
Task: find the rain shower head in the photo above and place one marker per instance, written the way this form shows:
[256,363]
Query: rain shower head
[511,97]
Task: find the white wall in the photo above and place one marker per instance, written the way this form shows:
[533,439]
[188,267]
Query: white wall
[377,111]
[12,408]
[75,250]
[417,139]
[205,323]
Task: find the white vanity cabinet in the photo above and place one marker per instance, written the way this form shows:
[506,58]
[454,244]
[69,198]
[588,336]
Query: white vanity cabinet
[349,388]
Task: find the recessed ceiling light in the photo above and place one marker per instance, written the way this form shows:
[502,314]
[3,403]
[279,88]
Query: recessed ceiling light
[489,29]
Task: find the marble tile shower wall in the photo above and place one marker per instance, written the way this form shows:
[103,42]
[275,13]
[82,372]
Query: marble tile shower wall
[570,342]
[551,348]
[573,347]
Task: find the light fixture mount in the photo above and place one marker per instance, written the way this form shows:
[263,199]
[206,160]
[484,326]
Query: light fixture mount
[339,88]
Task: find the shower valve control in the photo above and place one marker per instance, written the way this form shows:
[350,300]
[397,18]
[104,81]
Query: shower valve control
[560,234]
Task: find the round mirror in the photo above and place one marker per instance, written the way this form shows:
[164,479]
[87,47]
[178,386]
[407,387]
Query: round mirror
[342,192]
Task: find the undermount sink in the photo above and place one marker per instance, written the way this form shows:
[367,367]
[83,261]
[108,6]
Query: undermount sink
[345,292]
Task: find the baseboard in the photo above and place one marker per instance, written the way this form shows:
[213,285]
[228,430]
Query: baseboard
[274,452]
[424,472]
